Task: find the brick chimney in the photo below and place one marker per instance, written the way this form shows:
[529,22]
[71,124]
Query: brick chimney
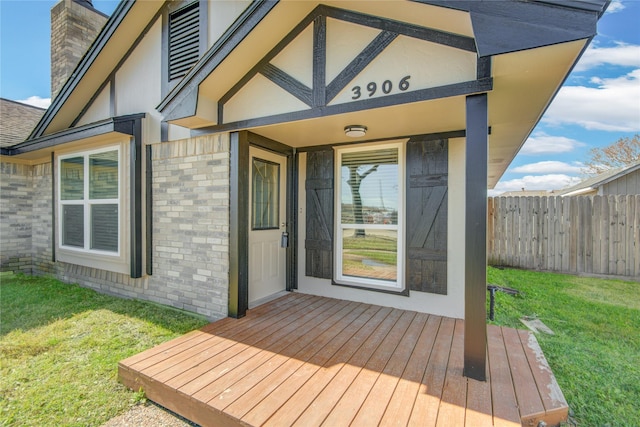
[74,26]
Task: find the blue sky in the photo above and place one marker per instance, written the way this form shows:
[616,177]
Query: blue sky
[598,104]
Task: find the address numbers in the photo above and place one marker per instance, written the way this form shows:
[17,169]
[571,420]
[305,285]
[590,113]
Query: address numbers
[386,87]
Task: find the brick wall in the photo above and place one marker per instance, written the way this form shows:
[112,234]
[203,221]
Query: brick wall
[74,27]
[41,228]
[190,186]
[16,215]
[191,223]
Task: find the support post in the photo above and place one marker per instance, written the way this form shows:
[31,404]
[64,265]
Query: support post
[238,225]
[475,312]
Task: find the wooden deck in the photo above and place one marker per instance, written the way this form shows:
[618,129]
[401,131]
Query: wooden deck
[307,361]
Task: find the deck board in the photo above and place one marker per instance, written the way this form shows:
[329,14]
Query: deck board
[311,361]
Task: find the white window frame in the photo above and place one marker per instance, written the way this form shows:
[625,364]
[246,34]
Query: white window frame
[360,282]
[87,203]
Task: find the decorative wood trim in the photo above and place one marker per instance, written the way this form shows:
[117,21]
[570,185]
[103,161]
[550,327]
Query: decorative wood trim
[288,83]
[484,66]
[475,313]
[457,89]
[319,61]
[360,62]
[403,28]
[268,57]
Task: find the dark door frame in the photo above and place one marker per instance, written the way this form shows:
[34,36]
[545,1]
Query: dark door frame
[239,216]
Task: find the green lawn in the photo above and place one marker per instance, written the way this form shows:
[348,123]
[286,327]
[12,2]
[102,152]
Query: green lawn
[595,352]
[60,345]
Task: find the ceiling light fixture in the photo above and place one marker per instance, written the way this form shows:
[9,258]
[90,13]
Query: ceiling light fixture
[355,131]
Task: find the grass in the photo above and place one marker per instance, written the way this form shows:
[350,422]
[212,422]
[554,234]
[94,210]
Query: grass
[60,345]
[595,352]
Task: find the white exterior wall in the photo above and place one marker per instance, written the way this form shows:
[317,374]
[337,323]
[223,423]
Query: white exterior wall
[450,305]
[222,13]
[139,82]
[100,108]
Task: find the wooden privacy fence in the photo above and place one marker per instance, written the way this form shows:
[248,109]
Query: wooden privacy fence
[584,234]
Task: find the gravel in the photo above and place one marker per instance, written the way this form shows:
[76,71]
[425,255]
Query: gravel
[149,414]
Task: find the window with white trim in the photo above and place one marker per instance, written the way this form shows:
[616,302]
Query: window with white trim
[369,243]
[89,201]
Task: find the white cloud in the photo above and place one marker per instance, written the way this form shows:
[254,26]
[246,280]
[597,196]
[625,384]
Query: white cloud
[615,6]
[548,167]
[611,106]
[541,143]
[535,182]
[624,55]
[36,101]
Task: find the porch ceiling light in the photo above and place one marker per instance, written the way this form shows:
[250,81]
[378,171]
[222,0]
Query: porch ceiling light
[355,131]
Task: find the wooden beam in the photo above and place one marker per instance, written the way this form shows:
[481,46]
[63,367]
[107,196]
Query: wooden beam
[475,334]
[239,218]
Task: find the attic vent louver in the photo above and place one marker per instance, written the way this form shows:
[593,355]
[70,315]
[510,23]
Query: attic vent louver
[184,42]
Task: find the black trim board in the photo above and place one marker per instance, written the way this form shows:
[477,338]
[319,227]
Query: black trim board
[149,208]
[53,206]
[181,103]
[322,94]
[238,220]
[133,127]
[458,89]
[510,26]
[358,64]
[288,83]
[103,127]
[319,61]
[475,257]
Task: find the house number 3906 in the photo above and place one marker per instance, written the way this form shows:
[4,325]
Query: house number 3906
[387,87]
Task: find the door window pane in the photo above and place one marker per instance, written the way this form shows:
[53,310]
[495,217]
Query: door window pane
[103,175]
[104,227]
[265,196]
[72,178]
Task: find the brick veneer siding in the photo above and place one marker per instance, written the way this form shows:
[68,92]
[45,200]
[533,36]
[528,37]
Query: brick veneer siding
[191,223]
[73,28]
[16,216]
[42,225]
[190,186]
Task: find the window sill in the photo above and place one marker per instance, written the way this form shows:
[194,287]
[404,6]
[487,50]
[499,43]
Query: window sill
[384,289]
[116,264]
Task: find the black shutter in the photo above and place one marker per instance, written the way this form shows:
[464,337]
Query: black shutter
[319,236]
[184,40]
[427,173]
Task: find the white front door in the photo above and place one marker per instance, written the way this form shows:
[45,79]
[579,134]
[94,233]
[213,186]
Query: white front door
[267,222]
